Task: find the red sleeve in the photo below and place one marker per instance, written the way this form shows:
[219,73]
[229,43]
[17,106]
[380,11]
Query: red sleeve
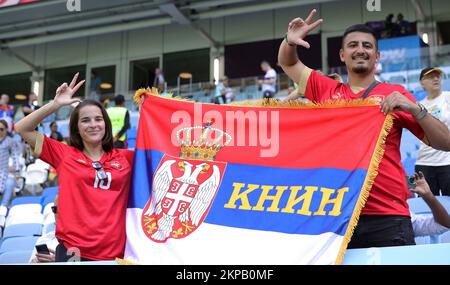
[53,151]
[406,120]
[319,87]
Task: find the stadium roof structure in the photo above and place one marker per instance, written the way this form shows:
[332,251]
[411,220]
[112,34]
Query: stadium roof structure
[54,20]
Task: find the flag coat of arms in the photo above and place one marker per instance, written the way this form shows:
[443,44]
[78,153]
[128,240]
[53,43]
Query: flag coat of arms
[263,182]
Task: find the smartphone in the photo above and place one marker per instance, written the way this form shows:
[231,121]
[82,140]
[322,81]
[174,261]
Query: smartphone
[42,248]
[411,182]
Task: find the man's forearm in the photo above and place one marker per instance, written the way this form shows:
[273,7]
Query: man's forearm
[439,212]
[436,133]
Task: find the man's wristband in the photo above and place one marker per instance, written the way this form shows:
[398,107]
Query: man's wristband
[287,41]
[423,112]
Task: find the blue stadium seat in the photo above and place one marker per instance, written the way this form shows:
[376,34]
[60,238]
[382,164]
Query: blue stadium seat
[22,230]
[16,256]
[50,191]
[446,84]
[445,237]
[134,119]
[46,200]
[430,254]
[18,243]
[420,95]
[418,205]
[409,164]
[48,196]
[131,137]
[26,200]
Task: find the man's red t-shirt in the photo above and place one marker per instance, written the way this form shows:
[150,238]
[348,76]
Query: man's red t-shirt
[389,192]
[91,212]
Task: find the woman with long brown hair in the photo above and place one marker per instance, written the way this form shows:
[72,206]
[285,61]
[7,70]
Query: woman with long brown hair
[94,178]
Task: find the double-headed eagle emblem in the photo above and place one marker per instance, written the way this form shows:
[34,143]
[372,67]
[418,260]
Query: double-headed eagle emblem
[183,188]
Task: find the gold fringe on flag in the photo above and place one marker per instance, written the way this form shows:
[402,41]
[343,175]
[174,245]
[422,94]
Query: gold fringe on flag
[372,173]
[125,262]
[267,103]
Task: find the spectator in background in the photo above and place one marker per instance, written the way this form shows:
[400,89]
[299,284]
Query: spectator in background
[31,105]
[49,239]
[435,164]
[54,134]
[6,111]
[120,121]
[389,27]
[95,90]
[159,81]
[8,148]
[428,225]
[402,25]
[224,94]
[269,83]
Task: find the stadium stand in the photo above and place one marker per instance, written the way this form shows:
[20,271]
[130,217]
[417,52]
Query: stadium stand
[18,243]
[15,257]
[131,137]
[22,230]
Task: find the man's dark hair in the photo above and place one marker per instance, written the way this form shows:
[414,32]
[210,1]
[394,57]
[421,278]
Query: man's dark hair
[119,99]
[362,29]
[75,138]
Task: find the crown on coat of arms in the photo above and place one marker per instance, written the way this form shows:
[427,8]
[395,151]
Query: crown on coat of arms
[203,147]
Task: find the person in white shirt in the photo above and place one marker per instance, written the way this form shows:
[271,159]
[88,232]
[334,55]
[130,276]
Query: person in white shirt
[269,83]
[427,225]
[435,164]
[49,239]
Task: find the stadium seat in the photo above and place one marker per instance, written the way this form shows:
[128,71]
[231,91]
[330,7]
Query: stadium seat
[445,237]
[36,174]
[18,243]
[15,257]
[446,84]
[420,95]
[42,163]
[409,165]
[134,119]
[48,209]
[36,218]
[419,206]
[26,200]
[25,209]
[50,192]
[131,137]
[47,200]
[3,213]
[22,230]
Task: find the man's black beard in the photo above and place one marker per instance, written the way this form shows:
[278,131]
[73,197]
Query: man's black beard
[360,69]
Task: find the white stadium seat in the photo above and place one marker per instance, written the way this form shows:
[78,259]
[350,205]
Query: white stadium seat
[25,209]
[36,218]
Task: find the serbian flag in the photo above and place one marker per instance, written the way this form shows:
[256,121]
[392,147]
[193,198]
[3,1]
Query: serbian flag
[265,182]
